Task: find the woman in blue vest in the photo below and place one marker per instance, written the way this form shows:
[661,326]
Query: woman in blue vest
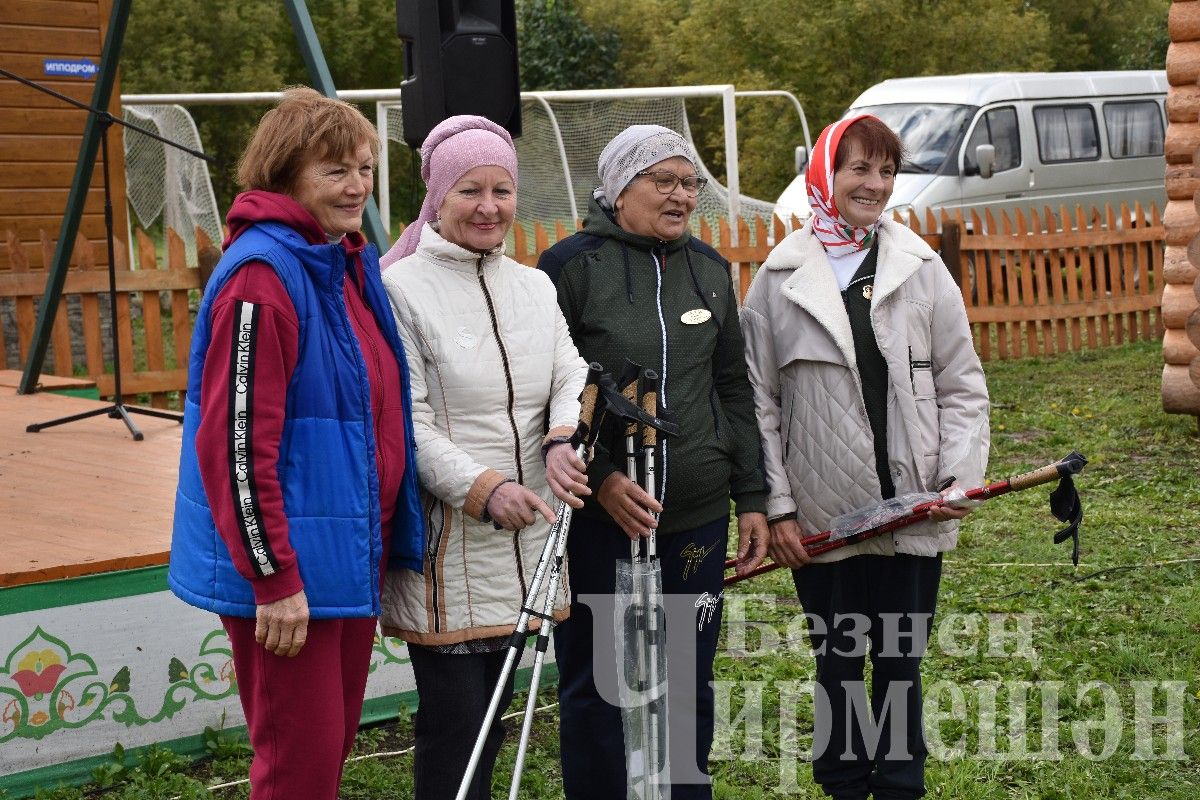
[297,481]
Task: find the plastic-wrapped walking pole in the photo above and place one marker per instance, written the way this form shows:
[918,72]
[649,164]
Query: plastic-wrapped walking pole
[641,629]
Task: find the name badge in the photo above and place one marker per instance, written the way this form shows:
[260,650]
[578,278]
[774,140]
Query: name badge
[696,316]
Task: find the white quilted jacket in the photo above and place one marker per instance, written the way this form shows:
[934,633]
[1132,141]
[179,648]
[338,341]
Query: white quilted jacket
[817,442]
[489,357]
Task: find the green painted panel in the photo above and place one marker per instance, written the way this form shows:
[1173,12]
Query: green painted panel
[75,773]
[87,589]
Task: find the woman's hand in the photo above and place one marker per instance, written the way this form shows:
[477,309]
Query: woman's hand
[629,505]
[567,474]
[953,496]
[514,507]
[785,545]
[282,626]
[753,540]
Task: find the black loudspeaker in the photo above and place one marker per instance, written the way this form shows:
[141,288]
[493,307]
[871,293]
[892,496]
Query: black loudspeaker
[460,57]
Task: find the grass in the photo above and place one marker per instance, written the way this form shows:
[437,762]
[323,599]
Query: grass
[1099,638]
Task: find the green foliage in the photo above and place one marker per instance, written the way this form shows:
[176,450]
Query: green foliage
[111,772]
[220,744]
[248,45]
[559,50]
[57,793]
[1106,34]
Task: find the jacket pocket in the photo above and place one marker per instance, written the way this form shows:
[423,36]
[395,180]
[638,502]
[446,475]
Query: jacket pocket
[720,424]
[814,345]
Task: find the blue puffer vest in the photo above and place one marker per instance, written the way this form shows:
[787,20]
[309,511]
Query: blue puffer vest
[327,452]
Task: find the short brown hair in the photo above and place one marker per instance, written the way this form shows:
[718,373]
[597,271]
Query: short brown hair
[306,125]
[874,138]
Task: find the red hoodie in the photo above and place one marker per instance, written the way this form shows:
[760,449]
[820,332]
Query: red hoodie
[274,360]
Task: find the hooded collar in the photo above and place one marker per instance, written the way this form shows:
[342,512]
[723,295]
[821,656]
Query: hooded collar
[601,222]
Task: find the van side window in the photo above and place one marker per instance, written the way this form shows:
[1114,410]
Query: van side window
[997,127]
[1135,128]
[1066,133]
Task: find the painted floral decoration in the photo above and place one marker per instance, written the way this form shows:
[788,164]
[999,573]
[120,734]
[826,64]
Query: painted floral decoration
[38,673]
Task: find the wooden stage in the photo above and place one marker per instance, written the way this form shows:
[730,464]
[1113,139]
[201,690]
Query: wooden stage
[84,497]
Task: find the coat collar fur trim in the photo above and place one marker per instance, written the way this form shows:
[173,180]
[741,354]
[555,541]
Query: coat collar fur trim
[812,285]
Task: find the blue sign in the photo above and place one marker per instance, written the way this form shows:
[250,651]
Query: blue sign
[70,67]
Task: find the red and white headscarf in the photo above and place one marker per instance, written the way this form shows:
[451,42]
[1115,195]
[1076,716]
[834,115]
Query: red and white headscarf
[837,235]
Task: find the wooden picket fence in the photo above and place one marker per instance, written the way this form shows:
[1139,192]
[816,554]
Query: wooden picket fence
[1034,285]
[154,307]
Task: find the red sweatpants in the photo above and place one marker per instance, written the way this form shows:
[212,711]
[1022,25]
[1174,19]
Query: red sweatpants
[302,712]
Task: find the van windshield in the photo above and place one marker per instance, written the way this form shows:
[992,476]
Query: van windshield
[930,131]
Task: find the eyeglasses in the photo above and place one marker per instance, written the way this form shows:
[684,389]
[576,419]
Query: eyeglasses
[665,182]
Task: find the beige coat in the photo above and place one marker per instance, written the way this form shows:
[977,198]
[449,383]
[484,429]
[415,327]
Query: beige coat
[489,358]
[817,442]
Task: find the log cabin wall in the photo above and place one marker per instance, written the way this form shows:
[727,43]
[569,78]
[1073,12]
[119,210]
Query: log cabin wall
[40,135]
[1181,265]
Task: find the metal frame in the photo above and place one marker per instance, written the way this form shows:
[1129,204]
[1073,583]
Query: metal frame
[56,276]
[388,98]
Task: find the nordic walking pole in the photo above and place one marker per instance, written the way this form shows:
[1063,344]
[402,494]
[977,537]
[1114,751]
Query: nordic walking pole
[632,391]
[543,639]
[649,403]
[1064,504]
[551,551]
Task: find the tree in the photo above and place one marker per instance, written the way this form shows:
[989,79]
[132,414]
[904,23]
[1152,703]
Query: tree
[249,45]
[1106,34]
[207,46]
[560,50]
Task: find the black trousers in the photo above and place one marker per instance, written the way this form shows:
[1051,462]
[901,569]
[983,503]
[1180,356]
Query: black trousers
[453,692]
[591,739]
[880,606]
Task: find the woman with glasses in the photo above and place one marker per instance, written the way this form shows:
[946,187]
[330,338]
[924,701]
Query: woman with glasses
[635,284]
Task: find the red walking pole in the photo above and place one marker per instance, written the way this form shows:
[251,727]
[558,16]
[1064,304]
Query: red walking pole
[1064,504]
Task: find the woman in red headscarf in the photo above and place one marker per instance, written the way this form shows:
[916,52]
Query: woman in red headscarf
[867,387]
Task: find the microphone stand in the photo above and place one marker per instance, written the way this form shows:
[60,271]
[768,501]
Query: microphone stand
[118,409]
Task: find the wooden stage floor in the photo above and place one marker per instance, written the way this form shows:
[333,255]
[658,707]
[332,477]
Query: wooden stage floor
[83,497]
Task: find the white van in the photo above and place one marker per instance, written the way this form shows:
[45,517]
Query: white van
[1010,140]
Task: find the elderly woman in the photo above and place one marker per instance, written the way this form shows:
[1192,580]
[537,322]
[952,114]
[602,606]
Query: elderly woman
[635,284]
[297,481]
[496,383]
[867,387]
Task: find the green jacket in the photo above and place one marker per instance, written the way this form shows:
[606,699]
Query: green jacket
[619,305]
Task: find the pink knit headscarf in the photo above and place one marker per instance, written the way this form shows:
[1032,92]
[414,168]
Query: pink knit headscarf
[453,148]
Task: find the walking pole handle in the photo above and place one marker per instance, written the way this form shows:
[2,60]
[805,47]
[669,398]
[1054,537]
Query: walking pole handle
[1071,465]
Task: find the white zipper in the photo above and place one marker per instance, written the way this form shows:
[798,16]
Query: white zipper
[662,394]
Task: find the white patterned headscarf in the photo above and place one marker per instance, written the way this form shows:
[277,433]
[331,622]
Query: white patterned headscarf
[631,151]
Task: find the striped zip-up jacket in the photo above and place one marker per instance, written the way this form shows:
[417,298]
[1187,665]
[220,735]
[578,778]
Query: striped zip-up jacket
[327,479]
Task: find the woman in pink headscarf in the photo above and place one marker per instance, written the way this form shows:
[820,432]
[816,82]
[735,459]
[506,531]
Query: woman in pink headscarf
[867,387]
[495,384]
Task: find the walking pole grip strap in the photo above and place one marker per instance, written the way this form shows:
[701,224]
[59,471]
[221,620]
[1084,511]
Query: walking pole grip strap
[650,385]
[587,401]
